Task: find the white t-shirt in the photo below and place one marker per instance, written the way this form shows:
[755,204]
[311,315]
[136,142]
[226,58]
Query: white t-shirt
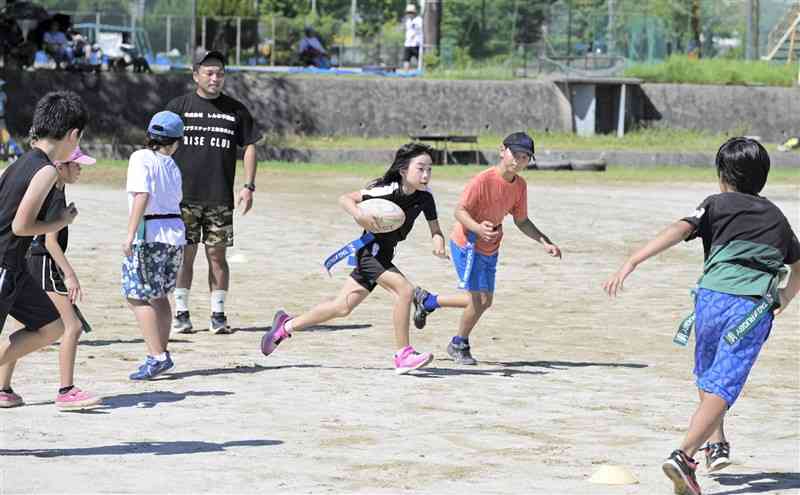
[413,31]
[158,175]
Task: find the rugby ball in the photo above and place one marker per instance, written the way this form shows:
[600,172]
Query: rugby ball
[388,215]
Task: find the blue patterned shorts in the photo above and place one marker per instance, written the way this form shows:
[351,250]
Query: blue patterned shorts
[151,271]
[721,368]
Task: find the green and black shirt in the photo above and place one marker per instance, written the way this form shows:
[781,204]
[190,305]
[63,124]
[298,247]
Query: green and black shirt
[746,240]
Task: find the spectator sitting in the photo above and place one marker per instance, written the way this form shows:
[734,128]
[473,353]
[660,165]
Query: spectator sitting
[57,45]
[312,52]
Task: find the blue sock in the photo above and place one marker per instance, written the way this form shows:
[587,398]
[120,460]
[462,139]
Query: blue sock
[460,340]
[431,302]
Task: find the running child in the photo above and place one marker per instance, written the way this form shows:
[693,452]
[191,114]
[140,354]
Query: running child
[405,183]
[156,236]
[746,243]
[475,241]
[26,193]
[48,264]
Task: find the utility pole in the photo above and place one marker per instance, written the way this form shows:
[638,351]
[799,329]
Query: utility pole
[193,32]
[610,36]
[353,11]
[432,25]
[748,42]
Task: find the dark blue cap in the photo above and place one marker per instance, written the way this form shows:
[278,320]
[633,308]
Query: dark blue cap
[166,124]
[519,142]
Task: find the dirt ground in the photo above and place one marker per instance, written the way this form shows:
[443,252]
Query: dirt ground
[567,381]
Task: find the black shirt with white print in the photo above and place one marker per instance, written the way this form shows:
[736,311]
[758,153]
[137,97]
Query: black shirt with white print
[412,205]
[13,186]
[57,205]
[213,129]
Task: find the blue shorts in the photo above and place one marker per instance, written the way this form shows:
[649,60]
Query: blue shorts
[151,272]
[721,368]
[484,269]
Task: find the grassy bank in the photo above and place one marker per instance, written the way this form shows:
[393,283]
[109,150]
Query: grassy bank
[112,173]
[680,69]
[644,140]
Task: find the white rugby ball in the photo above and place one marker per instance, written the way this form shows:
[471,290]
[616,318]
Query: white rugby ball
[388,215]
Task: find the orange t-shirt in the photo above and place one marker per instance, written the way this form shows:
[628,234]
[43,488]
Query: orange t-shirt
[490,197]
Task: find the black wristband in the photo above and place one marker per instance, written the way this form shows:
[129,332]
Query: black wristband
[250,186]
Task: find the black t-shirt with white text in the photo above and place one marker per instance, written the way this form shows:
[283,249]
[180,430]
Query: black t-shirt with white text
[412,205]
[57,205]
[213,129]
[14,184]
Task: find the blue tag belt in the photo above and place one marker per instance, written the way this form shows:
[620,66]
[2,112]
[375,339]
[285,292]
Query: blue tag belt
[348,250]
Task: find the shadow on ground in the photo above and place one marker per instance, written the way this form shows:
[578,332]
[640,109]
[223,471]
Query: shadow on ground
[315,328]
[757,482]
[155,448]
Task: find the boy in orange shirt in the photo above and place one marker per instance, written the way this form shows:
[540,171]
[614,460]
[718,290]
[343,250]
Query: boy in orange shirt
[475,241]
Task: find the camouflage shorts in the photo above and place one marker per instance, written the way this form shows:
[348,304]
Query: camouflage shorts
[211,225]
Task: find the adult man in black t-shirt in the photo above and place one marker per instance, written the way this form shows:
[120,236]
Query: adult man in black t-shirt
[214,126]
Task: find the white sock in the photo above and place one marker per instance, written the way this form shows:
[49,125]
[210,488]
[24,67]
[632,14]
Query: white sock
[218,301]
[289,326]
[161,357]
[181,300]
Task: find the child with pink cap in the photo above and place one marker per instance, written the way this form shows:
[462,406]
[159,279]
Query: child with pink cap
[48,264]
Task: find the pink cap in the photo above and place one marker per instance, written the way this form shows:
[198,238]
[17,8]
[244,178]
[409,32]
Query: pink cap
[79,156]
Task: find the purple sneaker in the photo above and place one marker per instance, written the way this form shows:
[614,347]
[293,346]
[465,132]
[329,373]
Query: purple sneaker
[276,334]
[10,399]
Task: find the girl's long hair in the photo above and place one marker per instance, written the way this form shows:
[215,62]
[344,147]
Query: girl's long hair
[402,159]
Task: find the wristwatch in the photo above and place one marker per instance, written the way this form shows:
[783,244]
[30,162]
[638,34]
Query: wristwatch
[250,186]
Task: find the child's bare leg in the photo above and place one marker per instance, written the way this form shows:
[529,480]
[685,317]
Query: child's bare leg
[349,297]
[148,320]
[6,372]
[705,421]
[402,291]
[479,302]
[164,317]
[69,342]
[719,433]
[458,300]
[25,341]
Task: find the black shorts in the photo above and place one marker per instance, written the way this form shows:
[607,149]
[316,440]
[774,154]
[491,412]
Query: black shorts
[371,262]
[47,274]
[410,52]
[23,299]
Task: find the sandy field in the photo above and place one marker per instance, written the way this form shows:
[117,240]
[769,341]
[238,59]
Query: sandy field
[567,381]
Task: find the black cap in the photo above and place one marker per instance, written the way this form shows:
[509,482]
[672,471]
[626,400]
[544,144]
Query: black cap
[519,142]
[205,55]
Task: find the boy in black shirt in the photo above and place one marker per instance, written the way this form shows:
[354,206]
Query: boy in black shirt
[26,190]
[747,241]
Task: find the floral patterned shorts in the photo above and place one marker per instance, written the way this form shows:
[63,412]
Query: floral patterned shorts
[151,271]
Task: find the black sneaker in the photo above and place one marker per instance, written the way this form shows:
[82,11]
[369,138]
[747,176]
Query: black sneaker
[718,456]
[181,323]
[680,468]
[460,353]
[219,324]
[420,313]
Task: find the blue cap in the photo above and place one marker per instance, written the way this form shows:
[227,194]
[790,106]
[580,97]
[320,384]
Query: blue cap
[519,142]
[166,124]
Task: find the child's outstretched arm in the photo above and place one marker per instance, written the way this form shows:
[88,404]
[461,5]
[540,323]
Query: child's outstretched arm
[438,239]
[529,229]
[350,202]
[791,289]
[665,239]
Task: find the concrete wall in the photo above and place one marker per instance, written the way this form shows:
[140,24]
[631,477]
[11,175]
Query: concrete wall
[121,104]
[769,112]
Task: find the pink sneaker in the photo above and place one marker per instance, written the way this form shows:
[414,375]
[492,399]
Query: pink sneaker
[408,359]
[76,399]
[277,334]
[10,399]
